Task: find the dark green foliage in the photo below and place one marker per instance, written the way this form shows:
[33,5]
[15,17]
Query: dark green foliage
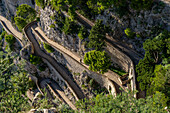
[13,84]
[151,75]
[83,33]
[97,36]
[118,71]
[124,103]
[141,4]
[58,4]
[10,39]
[48,48]
[70,27]
[37,19]
[3,34]
[145,69]
[35,59]
[26,12]
[52,26]
[40,3]
[98,61]
[72,13]
[129,33]
[20,22]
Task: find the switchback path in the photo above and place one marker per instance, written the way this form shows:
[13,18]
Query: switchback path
[10,29]
[37,50]
[110,74]
[123,46]
[56,91]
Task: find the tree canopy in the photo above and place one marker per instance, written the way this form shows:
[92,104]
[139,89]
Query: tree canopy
[98,61]
[152,69]
[25,11]
[20,22]
[97,36]
[24,14]
[124,103]
[13,84]
[40,3]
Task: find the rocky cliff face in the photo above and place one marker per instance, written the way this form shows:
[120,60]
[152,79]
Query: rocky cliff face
[144,23]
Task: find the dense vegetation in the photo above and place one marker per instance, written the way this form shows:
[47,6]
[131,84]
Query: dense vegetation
[153,69]
[124,103]
[97,36]
[13,84]
[10,39]
[48,48]
[98,61]
[40,3]
[24,14]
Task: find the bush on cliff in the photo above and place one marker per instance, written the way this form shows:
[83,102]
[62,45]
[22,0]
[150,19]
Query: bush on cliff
[10,39]
[40,3]
[20,22]
[97,60]
[26,12]
[97,36]
[48,48]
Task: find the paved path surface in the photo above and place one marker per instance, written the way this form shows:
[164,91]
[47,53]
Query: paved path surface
[110,74]
[57,92]
[10,29]
[28,33]
[127,50]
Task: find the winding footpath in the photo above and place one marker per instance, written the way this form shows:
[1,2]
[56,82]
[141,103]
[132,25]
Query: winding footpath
[56,91]
[111,75]
[37,50]
[10,29]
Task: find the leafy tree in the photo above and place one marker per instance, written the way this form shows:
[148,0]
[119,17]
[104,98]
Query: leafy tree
[98,61]
[141,4]
[151,75]
[124,103]
[83,33]
[26,12]
[35,59]
[97,36]
[10,39]
[72,13]
[14,84]
[145,69]
[129,33]
[40,3]
[58,4]
[70,27]
[20,22]
[158,82]
[48,48]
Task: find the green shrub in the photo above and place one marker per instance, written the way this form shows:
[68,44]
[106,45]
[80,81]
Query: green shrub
[83,33]
[52,26]
[52,17]
[129,33]
[40,3]
[48,48]
[26,12]
[35,59]
[141,4]
[97,60]
[70,27]
[20,23]
[97,36]
[10,39]
[37,19]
